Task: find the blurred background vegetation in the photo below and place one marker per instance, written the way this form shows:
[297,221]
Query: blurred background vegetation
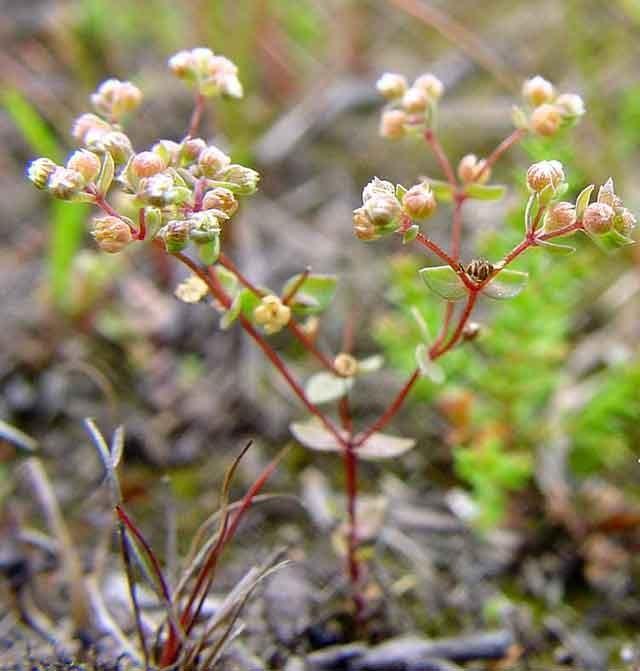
[539,412]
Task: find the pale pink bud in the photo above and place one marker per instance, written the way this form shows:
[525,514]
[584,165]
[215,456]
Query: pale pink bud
[543,174]
[40,170]
[393,124]
[86,123]
[146,164]
[561,215]
[212,160]
[431,86]
[598,218]
[624,222]
[86,163]
[471,169]
[571,105]
[64,183]
[415,100]
[391,85]
[419,202]
[111,234]
[220,199]
[545,120]
[537,91]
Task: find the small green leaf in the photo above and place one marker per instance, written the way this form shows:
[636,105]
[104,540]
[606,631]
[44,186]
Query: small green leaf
[444,282]
[428,368]
[249,302]
[554,248]
[232,313]
[370,364]
[209,251]
[106,173]
[313,295]
[325,387]
[228,280]
[410,234]
[383,446]
[582,201]
[400,191]
[442,190]
[611,241]
[485,191]
[528,211]
[507,284]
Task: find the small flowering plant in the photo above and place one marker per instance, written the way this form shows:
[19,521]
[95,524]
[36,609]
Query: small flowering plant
[179,195]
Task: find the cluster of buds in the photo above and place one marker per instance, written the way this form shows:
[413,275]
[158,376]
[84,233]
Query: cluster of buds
[212,75]
[608,214]
[384,206]
[272,314]
[409,107]
[68,182]
[548,112]
[114,99]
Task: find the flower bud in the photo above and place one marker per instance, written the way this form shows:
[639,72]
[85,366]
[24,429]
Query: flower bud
[363,227]
[86,123]
[118,145]
[176,235]
[598,218]
[624,222]
[419,202]
[543,174]
[415,100]
[272,314]
[393,124]
[86,163]
[345,365]
[470,170]
[537,91]
[111,234]
[205,226]
[570,105]
[391,86]
[559,216]
[167,150]
[114,98]
[377,187]
[64,183]
[192,290]
[212,160]
[243,181]
[146,164]
[181,64]
[383,211]
[545,120]
[220,199]
[607,195]
[40,170]
[190,150]
[431,85]
[156,190]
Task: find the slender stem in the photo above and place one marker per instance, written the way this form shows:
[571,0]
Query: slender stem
[293,326]
[290,295]
[391,410]
[142,224]
[464,317]
[532,240]
[422,239]
[503,147]
[218,292]
[196,115]
[442,158]
[456,228]
[350,458]
[225,261]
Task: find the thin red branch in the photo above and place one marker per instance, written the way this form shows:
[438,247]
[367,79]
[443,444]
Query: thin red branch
[462,322]
[196,115]
[503,147]
[442,158]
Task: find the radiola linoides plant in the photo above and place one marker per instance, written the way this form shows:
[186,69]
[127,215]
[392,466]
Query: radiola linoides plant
[185,192]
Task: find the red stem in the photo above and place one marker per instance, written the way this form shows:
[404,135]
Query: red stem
[503,147]
[464,317]
[196,116]
[441,156]
[391,410]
